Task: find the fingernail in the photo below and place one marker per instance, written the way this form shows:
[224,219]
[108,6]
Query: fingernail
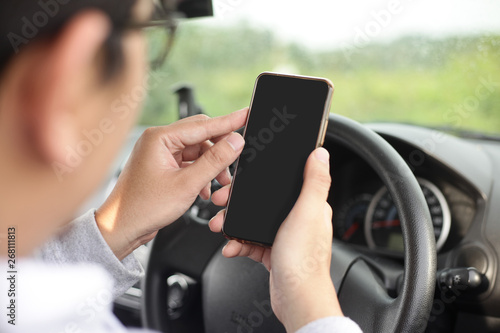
[236,141]
[323,155]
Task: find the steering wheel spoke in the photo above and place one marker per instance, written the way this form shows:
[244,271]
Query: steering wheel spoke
[366,287]
[364,299]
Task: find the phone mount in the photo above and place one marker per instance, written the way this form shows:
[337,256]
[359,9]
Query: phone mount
[187,104]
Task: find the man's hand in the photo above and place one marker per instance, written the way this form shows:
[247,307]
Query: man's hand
[299,262]
[168,168]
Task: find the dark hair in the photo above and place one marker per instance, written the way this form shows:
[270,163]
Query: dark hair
[22,21]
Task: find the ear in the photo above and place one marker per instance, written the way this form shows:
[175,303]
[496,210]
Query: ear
[54,83]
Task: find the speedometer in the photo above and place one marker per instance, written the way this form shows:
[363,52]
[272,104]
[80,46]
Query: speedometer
[351,218]
[382,224]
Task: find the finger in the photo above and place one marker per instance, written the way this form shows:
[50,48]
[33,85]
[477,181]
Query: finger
[232,249]
[224,177]
[328,213]
[310,205]
[205,192]
[192,118]
[199,129]
[236,249]
[256,253]
[221,137]
[266,259]
[219,197]
[213,162]
[191,153]
[317,178]
[218,138]
[215,224]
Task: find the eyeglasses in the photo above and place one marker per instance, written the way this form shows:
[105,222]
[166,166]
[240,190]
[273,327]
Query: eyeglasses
[160,32]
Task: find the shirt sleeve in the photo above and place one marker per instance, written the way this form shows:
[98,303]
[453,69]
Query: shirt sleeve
[331,325]
[81,241]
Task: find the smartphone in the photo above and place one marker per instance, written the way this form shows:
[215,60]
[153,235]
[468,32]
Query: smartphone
[286,122]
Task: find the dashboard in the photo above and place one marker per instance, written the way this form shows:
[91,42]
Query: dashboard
[460,181]
[365,214]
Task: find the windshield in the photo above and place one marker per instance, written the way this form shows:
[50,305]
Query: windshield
[423,62]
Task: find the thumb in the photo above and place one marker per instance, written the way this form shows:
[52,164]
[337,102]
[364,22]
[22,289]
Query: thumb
[213,161]
[317,178]
[310,205]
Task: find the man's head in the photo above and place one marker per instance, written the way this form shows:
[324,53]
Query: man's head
[24,21]
[67,69]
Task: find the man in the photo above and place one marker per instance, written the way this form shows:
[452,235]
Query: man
[64,64]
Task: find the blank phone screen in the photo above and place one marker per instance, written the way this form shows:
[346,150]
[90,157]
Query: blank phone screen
[282,130]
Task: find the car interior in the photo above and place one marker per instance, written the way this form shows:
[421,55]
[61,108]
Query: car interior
[414,140]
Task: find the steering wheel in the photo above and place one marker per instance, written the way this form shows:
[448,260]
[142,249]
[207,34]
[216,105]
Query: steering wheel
[190,287]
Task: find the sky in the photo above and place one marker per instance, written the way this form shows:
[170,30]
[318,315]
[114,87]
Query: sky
[324,24]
